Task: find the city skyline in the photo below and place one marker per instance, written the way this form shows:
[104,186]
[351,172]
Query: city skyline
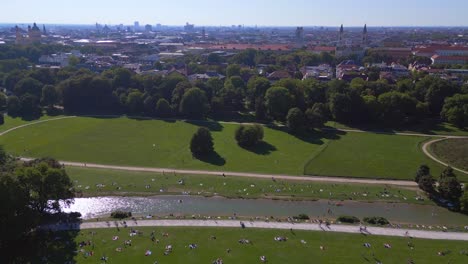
[242,12]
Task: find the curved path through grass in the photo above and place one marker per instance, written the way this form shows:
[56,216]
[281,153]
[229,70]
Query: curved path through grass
[256,175]
[426,151]
[382,231]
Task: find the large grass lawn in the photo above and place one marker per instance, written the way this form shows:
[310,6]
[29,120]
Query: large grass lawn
[373,156]
[100,182]
[155,143]
[452,151]
[338,248]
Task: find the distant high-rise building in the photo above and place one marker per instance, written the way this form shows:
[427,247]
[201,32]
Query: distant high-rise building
[148,28]
[203,33]
[136,26]
[299,33]
[44,30]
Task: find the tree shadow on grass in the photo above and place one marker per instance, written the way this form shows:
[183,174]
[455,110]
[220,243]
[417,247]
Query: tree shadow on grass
[312,136]
[262,148]
[213,159]
[211,125]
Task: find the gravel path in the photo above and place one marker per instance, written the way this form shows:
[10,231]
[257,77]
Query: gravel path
[426,151]
[274,225]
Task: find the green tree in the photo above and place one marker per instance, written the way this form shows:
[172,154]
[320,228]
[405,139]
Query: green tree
[278,101]
[249,135]
[28,85]
[464,200]
[295,120]
[149,104]
[423,170]
[455,110]
[426,183]
[257,87]
[194,104]
[135,102]
[260,109]
[233,70]
[316,115]
[3,101]
[217,106]
[30,106]
[216,85]
[163,108]
[73,61]
[13,106]
[449,186]
[46,185]
[122,78]
[49,96]
[397,108]
[202,144]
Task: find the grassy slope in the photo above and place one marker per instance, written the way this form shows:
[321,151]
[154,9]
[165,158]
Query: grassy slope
[373,156]
[339,248]
[232,187]
[153,143]
[130,142]
[14,122]
[453,152]
[426,127]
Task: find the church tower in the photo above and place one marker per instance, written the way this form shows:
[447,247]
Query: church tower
[19,36]
[340,42]
[34,34]
[364,36]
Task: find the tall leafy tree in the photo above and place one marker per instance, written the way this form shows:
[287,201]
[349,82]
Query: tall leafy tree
[194,104]
[455,110]
[296,120]
[278,101]
[449,186]
[202,143]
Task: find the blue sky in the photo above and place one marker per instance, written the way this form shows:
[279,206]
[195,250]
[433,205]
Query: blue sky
[247,12]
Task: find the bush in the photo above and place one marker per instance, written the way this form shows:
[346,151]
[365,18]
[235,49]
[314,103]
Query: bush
[249,135]
[302,217]
[376,220]
[121,214]
[2,119]
[348,219]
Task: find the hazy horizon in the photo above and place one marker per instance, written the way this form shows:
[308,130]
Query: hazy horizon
[262,13]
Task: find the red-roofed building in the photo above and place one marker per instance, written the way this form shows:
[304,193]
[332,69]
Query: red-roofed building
[395,53]
[441,50]
[439,59]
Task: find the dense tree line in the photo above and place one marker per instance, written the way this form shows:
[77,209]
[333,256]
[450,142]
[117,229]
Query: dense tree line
[119,91]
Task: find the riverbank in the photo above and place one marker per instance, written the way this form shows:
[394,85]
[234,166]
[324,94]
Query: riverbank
[184,205]
[91,182]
